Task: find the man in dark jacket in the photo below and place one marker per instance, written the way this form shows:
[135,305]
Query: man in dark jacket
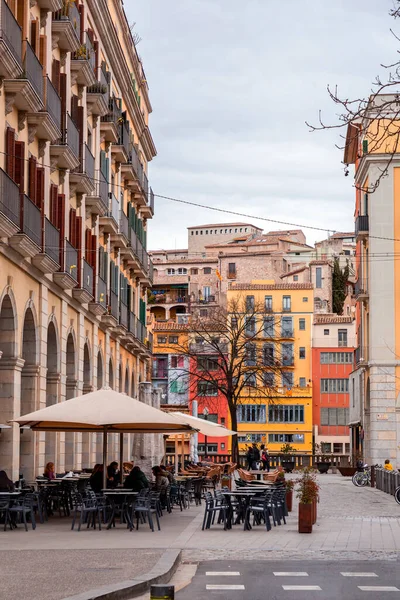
[256,456]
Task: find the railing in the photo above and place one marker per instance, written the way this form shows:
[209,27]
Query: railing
[51,241]
[287,333]
[145,185]
[151,200]
[123,315]
[10,31]
[206,300]
[133,239]
[31,222]
[89,162]
[150,340]
[124,224]
[102,86]
[69,12]
[151,271]
[10,204]
[286,309]
[33,70]
[102,292]
[87,282]
[114,305]
[86,52]
[132,323]
[134,159]
[361,287]
[124,137]
[287,361]
[362,224]
[159,373]
[231,274]
[113,210]
[114,112]
[101,190]
[71,260]
[72,136]
[53,103]
[140,331]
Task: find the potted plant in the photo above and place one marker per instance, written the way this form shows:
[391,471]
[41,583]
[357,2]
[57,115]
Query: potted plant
[289,494]
[307,494]
[322,460]
[287,461]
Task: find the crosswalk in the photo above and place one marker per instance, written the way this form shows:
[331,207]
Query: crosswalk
[289,587]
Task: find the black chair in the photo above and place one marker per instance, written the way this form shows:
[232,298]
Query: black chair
[22,508]
[260,509]
[5,513]
[144,507]
[88,510]
[215,507]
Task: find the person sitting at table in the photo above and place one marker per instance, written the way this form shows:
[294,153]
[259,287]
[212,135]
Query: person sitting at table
[112,474]
[6,485]
[134,481]
[161,480]
[167,472]
[49,471]
[96,478]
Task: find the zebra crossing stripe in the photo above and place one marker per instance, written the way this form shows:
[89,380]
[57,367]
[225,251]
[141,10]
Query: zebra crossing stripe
[290,574]
[222,573]
[302,588]
[355,574]
[225,587]
[378,588]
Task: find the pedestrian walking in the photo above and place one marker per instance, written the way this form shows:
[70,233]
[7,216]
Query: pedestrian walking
[265,458]
[256,457]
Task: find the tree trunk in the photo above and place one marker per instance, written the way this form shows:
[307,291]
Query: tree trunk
[235,446]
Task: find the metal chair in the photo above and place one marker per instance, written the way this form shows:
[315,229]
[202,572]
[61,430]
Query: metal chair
[23,507]
[143,507]
[88,510]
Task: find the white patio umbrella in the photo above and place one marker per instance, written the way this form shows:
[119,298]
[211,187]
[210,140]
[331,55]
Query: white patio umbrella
[103,411]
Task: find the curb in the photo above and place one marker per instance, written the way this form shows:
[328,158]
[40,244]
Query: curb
[160,573]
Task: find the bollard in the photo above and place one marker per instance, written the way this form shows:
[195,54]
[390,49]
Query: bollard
[372,476]
[162,592]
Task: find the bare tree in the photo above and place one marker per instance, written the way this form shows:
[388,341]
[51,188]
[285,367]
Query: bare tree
[233,354]
[372,122]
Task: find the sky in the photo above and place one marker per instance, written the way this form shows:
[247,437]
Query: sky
[232,84]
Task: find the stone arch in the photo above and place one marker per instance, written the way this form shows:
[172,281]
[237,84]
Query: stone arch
[87,369]
[71,383]
[111,373]
[126,384]
[159,313]
[8,325]
[100,370]
[52,384]
[133,391]
[120,380]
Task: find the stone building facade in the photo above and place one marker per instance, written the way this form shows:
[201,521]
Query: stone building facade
[74,206]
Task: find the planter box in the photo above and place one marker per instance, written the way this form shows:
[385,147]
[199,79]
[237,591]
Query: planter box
[288,465]
[305,518]
[347,471]
[289,500]
[323,467]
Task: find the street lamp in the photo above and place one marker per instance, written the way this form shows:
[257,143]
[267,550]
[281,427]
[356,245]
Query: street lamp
[206,412]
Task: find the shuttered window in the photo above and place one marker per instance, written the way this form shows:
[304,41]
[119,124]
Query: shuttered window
[10,152]
[103,264]
[334,416]
[19,174]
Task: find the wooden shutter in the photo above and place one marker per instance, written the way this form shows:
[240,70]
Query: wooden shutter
[42,51]
[61,227]
[78,235]
[19,174]
[88,245]
[32,178]
[54,206]
[72,227]
[93,261]
[80,126]
[63,95]
[55,74]
[81,9]
[10,152]
[35,36]
[21,17]
[74,108]
[97,55]
[40,188]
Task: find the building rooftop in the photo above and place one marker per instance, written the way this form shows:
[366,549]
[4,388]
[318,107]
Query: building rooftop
[331,319]
[216,225]
[299,270]
[271,286]
[320,262]
[169,326]
[339,235]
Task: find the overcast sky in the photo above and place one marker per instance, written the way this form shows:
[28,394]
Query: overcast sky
[232,83]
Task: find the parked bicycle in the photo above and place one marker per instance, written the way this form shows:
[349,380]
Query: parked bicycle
[362,478]
[397,494]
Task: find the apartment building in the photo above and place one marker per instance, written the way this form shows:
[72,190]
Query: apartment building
[170,371]
[74,207]
[283,412]
[332,362]
[375,382]
[201,236]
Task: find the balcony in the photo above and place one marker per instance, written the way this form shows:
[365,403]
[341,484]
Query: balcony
[159,373]
[231,274]
[111,318]
[123,315]
[84,292]
[47,123]
[82,178]
[10,44]
[10,207]
[206,348]
[287,334]
[286,309]
[98,94]
[148,210]
[207,300]
[83,64]
[99,306]
[362,226]
[97,200]
[67,277]
[361,290]
[121,239]
[361,355]
[29,241]
[49,260]
[121,149]
[110,123]
[66,27]
[50,5]
[27,92]
[109,223]
[65,152]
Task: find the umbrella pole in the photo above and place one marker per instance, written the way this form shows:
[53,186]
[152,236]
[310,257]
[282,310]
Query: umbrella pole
[121,456]
[105,435]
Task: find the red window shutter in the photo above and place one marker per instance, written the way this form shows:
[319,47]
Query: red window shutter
[40,188]
[10,152]
[96,52]
[78,235]
[88,245]
[35,36]
[19,174]
[93,254]
[72,226]
[55,74]
[42,51]
[80,129]
[32,178]
[61,227]
[63,96]
[81,9]
[74,108]
[54,216]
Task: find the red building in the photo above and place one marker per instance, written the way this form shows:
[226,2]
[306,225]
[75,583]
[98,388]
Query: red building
[332,363]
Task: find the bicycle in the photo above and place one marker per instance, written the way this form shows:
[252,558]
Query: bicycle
[397,494]
[362,478]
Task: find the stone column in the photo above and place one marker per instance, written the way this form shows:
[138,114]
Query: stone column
[10,398]
[29,391]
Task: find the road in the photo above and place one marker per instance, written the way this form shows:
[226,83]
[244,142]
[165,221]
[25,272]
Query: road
[300,580]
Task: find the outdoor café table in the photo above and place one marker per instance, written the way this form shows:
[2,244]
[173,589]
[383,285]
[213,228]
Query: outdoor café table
[244,498]
[113,494]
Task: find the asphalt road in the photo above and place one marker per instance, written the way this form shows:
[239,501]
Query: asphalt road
[300,580]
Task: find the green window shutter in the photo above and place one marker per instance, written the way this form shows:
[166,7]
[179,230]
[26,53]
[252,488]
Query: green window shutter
[174,387]
[101,262]
[365,146]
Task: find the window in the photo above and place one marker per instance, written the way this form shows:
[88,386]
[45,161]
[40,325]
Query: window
[251,413]
[269,327]
[207,388]
[197,233]
[251,380]
[206,292]
[249,302]
[282,438]
[231,270]
[170,271]
[347,448]
[286,413]
[206,231]
[305,298]
[192,232]
[223,420]
[201,232]
[342,337]
[269,379]
[287,379]
[334,386]
[177,362]
[326,331]
[302,382]
[211,448]
[194,271]
[302,324]
[335,416]
[173,339]
[268,354]
[203,312]
[318,277]
[207,270]
[287,355]
[347,253]
[287,304]
[250,437]
[287,327]
[207,363]
[178,386]
[337,448]
[295,277]
[326,447]
[250,326]
[302,352]
[213,417]
[161,339]
[251,355]
[182,271]
[336,358]
[268,303]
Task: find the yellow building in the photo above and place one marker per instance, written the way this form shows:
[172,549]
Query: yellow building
[276,406]
[74,206]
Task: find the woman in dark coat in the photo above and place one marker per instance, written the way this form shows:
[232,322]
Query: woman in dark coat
[96,479]
[134,481]
[6,485]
